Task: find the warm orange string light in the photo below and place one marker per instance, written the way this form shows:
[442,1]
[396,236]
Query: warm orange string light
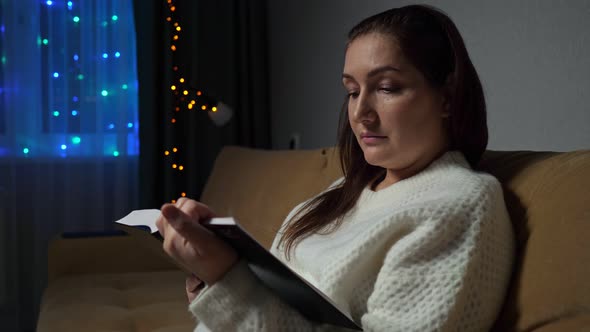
[183,86]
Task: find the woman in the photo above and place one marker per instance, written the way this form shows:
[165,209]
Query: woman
[411,238]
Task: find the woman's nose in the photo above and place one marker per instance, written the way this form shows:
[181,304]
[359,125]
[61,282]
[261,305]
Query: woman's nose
[364,110]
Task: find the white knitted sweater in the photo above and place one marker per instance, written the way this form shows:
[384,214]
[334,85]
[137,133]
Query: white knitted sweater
[429,253]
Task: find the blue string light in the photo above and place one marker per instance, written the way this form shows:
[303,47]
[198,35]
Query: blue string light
[75,77]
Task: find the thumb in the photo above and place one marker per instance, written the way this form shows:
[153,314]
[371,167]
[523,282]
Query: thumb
[184,224]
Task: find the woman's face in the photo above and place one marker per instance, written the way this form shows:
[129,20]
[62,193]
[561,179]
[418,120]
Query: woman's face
[396,116]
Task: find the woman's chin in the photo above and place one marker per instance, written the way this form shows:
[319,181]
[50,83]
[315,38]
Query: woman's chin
[375,159]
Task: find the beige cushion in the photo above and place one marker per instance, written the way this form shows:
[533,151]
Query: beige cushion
[260,187]
[140,302]
[548,197]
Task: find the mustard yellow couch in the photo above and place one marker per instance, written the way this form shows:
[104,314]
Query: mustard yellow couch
[113,284]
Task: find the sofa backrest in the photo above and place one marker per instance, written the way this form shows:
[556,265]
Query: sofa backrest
[548,198]
[260,187]
[547,195]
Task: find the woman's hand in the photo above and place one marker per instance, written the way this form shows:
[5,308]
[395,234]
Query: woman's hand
[192,245]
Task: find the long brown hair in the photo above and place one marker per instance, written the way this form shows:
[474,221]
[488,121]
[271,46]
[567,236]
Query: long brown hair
[431,41]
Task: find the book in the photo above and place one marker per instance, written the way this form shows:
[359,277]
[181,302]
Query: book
[292,288]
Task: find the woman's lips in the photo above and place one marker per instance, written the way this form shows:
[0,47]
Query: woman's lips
[372,139]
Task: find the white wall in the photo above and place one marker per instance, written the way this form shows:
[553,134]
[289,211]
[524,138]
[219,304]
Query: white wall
[533,58]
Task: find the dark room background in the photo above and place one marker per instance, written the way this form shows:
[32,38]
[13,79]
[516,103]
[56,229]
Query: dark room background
[70,72]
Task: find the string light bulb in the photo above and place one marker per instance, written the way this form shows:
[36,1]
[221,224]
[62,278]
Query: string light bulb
[181,89]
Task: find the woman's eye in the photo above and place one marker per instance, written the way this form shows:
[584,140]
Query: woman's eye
[352,94]
[389,89]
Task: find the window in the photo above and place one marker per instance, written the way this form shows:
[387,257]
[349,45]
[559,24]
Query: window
[68,78]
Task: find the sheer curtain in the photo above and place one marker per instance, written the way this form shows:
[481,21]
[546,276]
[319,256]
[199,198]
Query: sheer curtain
[68,134]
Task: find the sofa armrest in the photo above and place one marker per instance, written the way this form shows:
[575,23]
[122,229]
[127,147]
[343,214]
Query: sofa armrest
[113,252]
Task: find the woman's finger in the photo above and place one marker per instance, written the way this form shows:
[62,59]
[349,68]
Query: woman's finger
[193,283]
[185,225]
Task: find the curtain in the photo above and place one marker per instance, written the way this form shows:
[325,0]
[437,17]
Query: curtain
[69,134]
[222,51]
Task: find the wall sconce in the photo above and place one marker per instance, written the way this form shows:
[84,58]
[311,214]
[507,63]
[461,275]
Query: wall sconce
[220,114]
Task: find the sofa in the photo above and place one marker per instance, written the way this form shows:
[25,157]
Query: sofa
[110,283]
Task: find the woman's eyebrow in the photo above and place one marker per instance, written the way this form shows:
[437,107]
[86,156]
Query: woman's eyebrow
[374,72]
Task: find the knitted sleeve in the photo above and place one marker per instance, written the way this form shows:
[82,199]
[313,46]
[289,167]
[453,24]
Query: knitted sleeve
[450,273]
[239,302]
